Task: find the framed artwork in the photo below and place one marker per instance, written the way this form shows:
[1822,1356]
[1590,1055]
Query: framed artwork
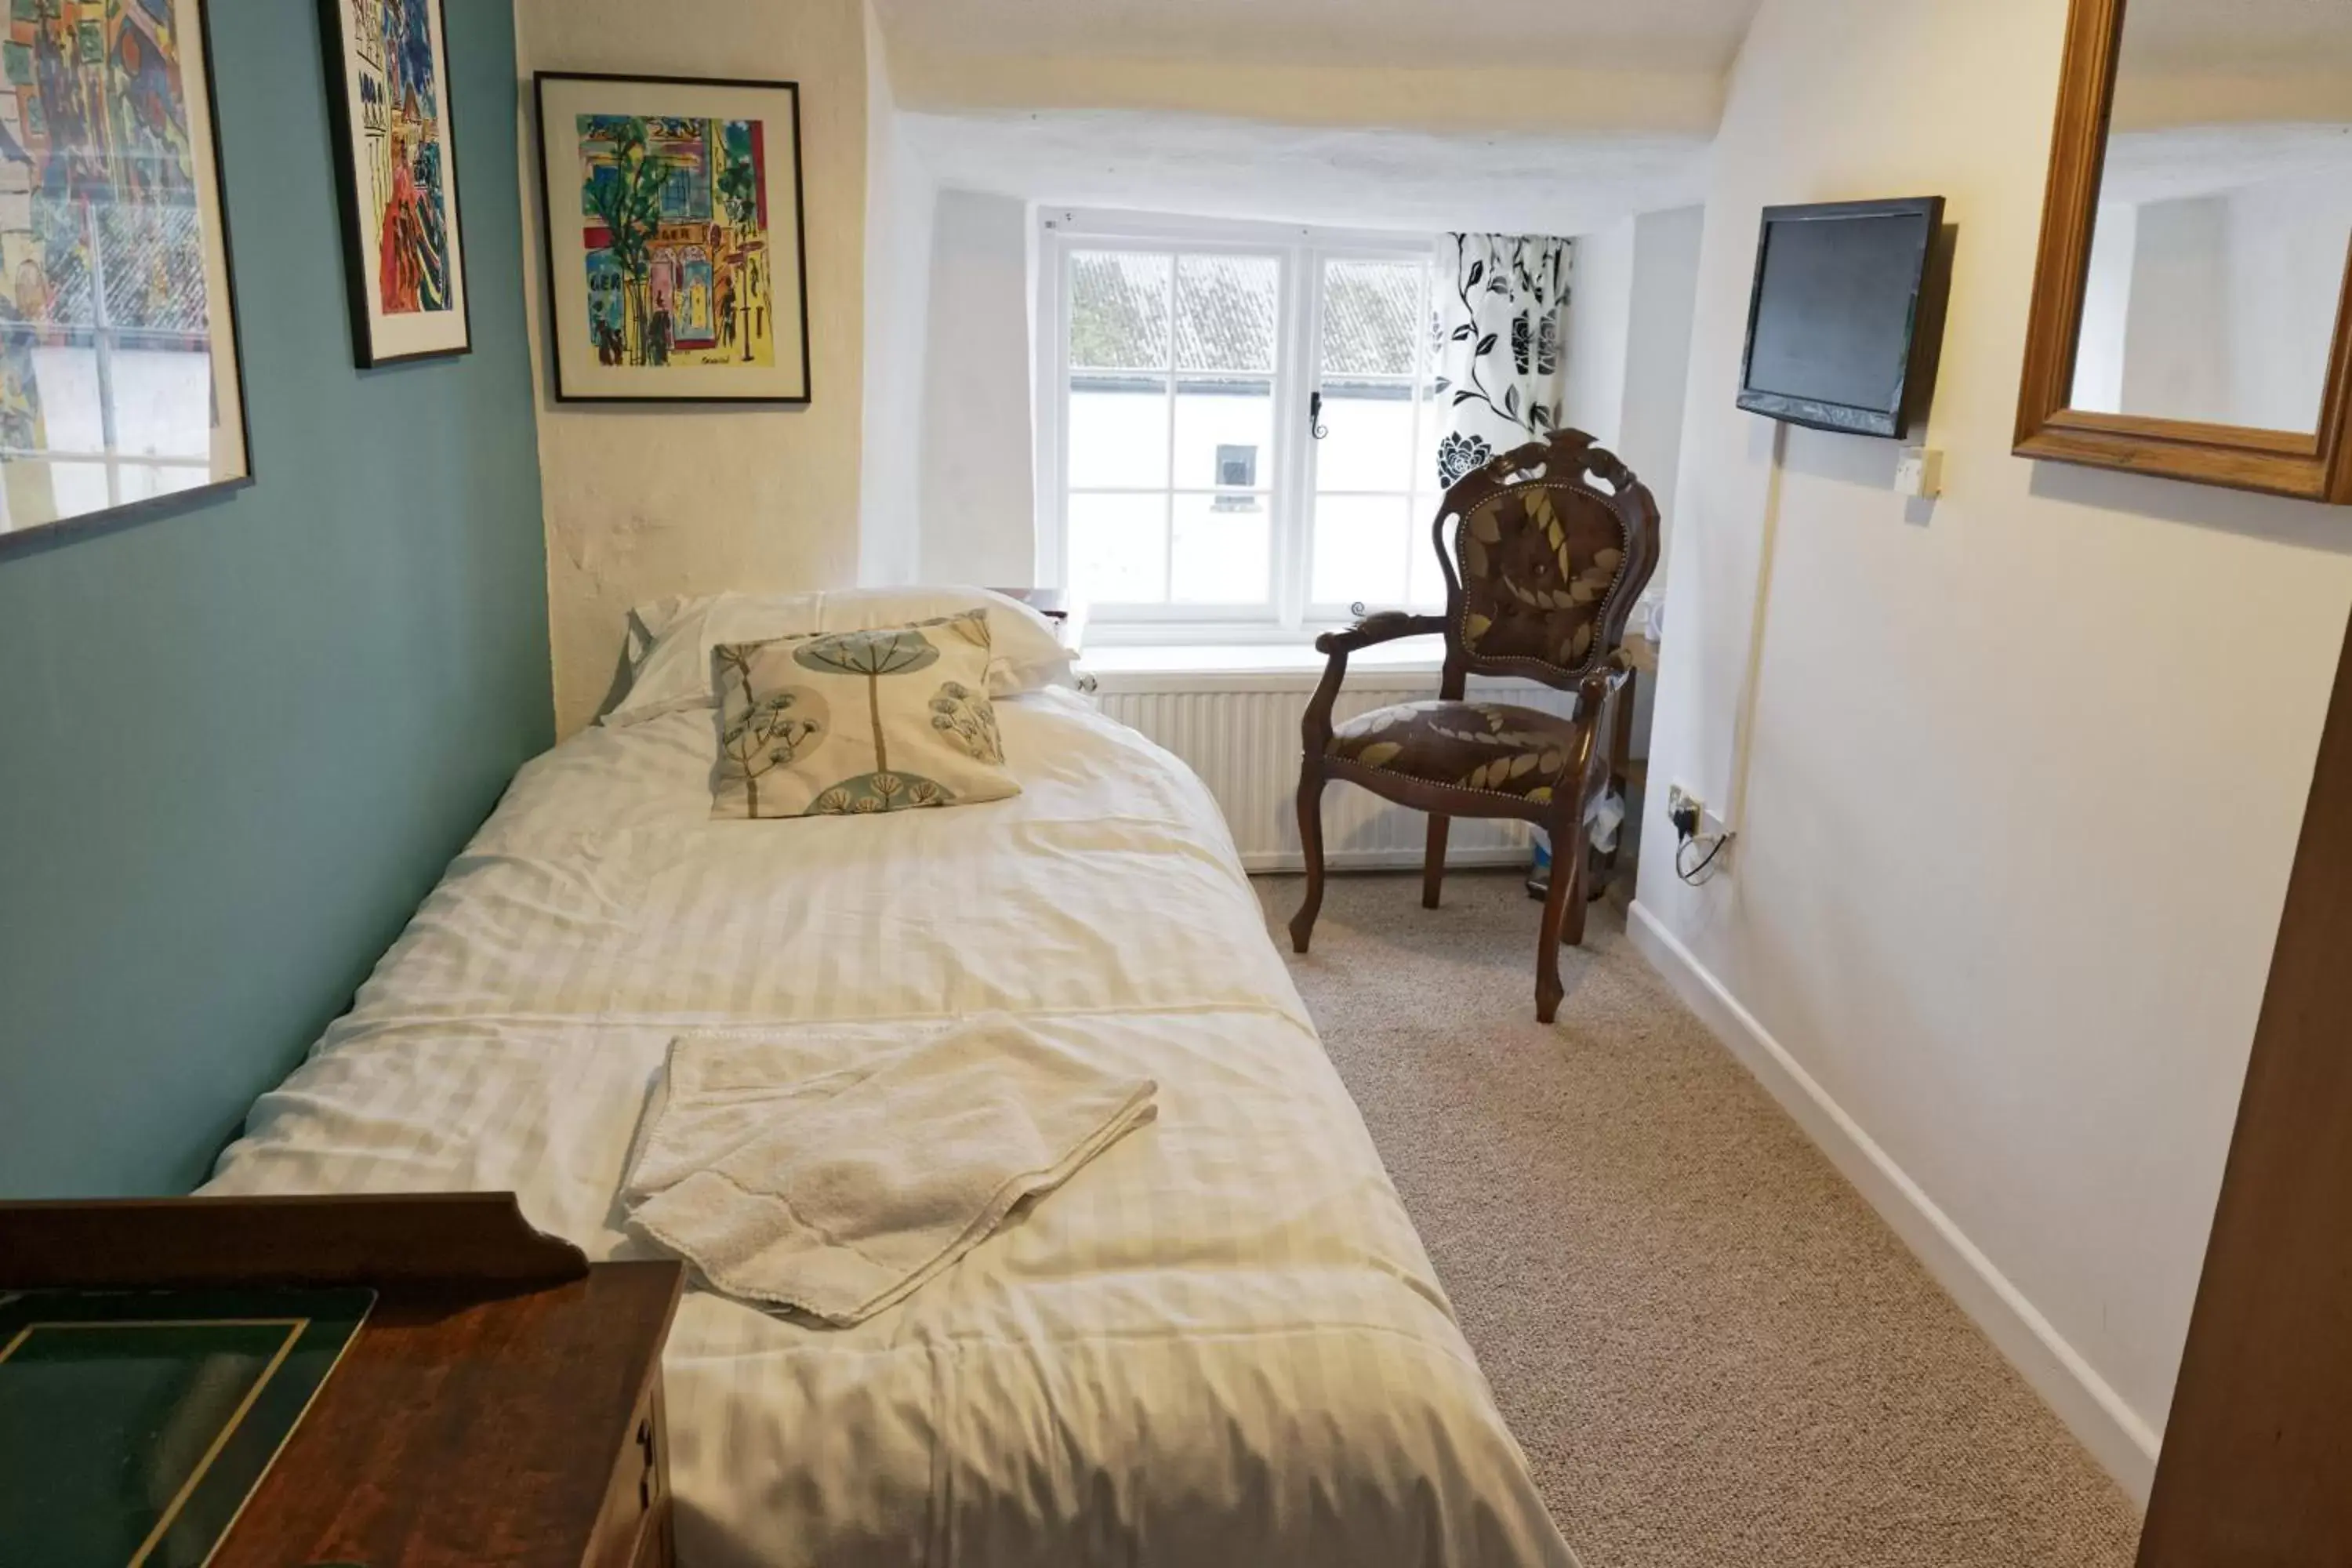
[396,151]
[675,264]
[120,385]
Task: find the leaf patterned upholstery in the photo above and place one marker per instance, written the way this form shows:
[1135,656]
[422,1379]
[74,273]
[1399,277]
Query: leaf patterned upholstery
[1491,748]
[1539,564]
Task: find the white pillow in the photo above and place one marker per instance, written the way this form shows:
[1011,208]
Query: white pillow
[670,640]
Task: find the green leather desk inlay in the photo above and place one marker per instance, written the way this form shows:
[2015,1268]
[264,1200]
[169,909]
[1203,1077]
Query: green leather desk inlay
[133,1425]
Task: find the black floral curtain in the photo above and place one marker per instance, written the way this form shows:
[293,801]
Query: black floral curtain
[1502,357]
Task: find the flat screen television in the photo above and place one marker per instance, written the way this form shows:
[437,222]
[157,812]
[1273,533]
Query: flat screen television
[1842,320]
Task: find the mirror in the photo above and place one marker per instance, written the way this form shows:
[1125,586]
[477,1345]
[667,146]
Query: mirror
[2189,318]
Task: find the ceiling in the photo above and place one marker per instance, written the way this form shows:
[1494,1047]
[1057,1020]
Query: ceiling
[1644,35]
[1344,177]
[2207,160]
[2223,36]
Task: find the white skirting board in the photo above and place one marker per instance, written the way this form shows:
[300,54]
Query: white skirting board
[1240,733]
[2115,1436]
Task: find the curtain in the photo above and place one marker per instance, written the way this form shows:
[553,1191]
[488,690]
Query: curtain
[1502,359]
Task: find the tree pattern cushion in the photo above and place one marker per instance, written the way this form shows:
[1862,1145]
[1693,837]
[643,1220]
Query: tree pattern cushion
[846,723]
[1538,564]
[1493,747]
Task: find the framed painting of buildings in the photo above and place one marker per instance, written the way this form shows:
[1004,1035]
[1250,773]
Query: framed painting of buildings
[395,150]
[120,385]
[676,270]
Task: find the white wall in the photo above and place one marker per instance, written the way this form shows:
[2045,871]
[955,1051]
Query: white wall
[2215,306]
[1658,338]
[1599,327]
[1629,330]
[2288,240]
[643,501]
[2107,309]
[2028,764]
[900,196]
[979,496]
[2176,335]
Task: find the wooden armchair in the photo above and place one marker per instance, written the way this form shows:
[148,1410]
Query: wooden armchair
[1544,569]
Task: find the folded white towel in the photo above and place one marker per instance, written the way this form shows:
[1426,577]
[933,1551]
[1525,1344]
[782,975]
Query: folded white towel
[834,1172]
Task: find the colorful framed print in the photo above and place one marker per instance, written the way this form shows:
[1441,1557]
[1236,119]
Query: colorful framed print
[120,385]
[396,149]
[676,270]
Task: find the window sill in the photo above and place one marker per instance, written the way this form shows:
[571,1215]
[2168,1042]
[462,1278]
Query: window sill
[1407,654]
[1247,666]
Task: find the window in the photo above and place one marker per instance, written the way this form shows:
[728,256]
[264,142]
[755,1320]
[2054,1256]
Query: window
[1240,425]
[114,400]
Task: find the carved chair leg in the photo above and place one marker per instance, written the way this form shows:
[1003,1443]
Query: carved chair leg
[1310,840]
[1578,869]
[1548,990]
[1563,912]
[1432,865]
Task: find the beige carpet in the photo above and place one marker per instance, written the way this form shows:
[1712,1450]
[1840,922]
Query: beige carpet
[1714,1353]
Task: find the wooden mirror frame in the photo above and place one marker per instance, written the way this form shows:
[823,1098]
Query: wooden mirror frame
[2311,467]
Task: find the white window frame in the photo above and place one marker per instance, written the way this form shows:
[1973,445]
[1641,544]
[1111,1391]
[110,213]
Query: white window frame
[1301,252]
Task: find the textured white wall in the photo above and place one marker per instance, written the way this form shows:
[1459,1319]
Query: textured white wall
[1658,347]
[2175,335]
[1599,322]
[900,199]
[978,494]
[2288,239]
[643,501]
[2029,764]
[2107,309]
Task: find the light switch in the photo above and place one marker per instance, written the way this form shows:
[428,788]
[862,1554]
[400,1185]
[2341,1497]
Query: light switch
[1920,472]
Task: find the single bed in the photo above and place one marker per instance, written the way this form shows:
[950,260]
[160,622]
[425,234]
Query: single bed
[1221,1344]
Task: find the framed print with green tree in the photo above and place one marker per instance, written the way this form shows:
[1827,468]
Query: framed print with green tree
[396,151]
[120,386]
[675,264]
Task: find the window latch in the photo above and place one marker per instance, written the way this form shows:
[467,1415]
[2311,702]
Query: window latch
[1315,426]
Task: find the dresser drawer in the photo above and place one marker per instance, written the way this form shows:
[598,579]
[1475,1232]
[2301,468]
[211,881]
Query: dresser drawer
[633,1528]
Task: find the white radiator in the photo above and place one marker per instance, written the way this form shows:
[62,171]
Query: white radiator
[1240,733]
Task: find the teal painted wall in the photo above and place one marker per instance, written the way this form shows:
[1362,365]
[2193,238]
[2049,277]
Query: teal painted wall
[238,743]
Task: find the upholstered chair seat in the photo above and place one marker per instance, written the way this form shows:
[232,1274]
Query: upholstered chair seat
[1480,748]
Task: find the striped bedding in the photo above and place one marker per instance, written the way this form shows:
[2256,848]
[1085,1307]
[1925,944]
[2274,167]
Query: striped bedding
[1221,1344]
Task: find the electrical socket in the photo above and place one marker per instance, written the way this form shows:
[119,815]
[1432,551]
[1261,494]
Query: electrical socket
[1683,805]
[1685,810]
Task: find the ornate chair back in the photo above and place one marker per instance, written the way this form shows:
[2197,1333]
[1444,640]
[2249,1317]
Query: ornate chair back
[1545,564]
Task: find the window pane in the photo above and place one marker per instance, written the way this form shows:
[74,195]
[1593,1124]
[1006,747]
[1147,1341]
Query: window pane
[1224,312]
[1368,437]
[1221,552]
[1428,472]
[78,487]
[162,403]
[1225,435]
[1373,312]
[1118,310]
[1118,432]
[1119,547]
[1426,585]
[68,380]
[138,481]
[1360,549]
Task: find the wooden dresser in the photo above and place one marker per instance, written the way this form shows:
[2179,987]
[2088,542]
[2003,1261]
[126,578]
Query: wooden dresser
[501,1404]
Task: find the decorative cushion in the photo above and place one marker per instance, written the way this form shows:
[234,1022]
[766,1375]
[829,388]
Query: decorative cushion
[1492,747]
[839,723]
[1538,565]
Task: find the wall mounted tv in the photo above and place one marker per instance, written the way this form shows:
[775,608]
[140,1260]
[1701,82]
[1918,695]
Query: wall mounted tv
[1844,316]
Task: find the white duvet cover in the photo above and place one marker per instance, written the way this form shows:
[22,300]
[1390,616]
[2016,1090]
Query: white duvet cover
[1221,1344]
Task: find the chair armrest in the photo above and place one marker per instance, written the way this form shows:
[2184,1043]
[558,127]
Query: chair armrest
[1388,625]
[1603,681]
